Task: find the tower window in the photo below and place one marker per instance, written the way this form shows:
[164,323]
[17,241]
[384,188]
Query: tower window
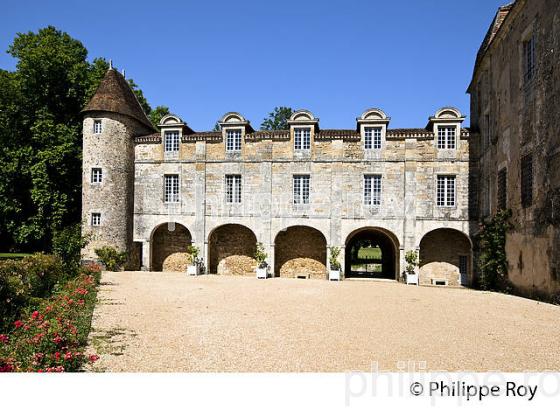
[502,189]
[95,219]
[529,59]
[301,189]
[96,175]
[372,190]
[446,137]
[445,190]
[372,138]
[171,194]
[97,127]
[302,139]
[233,140]
[527,181]
[233,189]
[171,140]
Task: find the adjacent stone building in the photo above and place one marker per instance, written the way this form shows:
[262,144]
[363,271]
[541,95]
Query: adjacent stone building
[373,191]
[515,153]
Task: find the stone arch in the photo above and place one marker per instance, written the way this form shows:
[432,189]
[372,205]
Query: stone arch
[231,250]
[302,115]
[373,114]
[445,256]
[300,251]
[169,243]
[372,252]
[448,113]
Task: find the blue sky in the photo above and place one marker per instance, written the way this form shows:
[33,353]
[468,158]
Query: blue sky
[335,58]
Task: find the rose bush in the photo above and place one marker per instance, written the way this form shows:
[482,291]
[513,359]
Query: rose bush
[51,336]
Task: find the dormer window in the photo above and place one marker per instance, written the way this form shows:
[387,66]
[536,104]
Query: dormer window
[302,139]
[372,137]
[171,141]
[97,127]
[446,137]
[233,140]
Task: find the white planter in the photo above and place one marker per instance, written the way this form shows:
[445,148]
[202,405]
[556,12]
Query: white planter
[262,273]
[334,275]
[193,270]
[411,278]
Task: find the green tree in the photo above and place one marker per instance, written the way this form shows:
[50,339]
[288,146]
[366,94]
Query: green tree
[277,119]
[157,114]
[40,136]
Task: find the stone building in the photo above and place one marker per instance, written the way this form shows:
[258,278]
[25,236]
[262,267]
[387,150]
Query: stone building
[515,149]
[373,191]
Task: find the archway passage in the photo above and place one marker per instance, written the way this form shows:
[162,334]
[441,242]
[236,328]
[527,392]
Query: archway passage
[445,257]
[371,253]
[169,248]
[232,248]
[300,251]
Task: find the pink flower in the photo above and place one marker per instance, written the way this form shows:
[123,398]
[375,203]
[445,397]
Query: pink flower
[68,356]
[57,356]
[4,339]
[18,324]
[57,339]
[35,315]
[93,358]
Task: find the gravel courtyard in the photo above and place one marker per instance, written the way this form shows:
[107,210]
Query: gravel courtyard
[168,322]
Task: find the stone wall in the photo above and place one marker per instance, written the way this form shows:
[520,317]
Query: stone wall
[232,248]
[300,251]
[113,151]
[513,117]
[439,256]
[169,248]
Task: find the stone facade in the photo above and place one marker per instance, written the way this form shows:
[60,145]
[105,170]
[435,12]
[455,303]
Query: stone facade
[296,236]
[515,115]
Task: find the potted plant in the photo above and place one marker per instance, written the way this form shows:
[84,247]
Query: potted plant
[411,258]
[262,265]
[193,268]
[334,271]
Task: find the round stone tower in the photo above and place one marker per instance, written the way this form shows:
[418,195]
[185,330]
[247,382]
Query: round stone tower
[112,119]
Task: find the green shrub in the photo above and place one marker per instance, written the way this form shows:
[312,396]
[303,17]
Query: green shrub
[51,336]
[492,261]
[111,258]
[261,255]
[67,244]
[333,259]
[411,258]
[24,282]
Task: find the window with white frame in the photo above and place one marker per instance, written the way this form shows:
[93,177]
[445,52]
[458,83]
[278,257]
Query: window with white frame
[233,140]
[372,138]
[97,127]
[95,219]
[171,193]
[233,189]
[446,137]
[302,139]
[372,190]
[171,141]
[529,59]
[445,190]
[96,175]
[301,189]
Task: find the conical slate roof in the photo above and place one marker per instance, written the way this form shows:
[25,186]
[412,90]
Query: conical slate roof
[115,95]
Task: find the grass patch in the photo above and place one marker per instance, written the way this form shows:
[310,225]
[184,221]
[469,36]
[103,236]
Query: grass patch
[7,255]
[369,253]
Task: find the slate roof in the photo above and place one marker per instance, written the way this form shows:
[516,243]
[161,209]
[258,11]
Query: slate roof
[115,95]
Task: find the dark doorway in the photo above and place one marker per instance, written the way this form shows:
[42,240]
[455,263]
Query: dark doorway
[370,253]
